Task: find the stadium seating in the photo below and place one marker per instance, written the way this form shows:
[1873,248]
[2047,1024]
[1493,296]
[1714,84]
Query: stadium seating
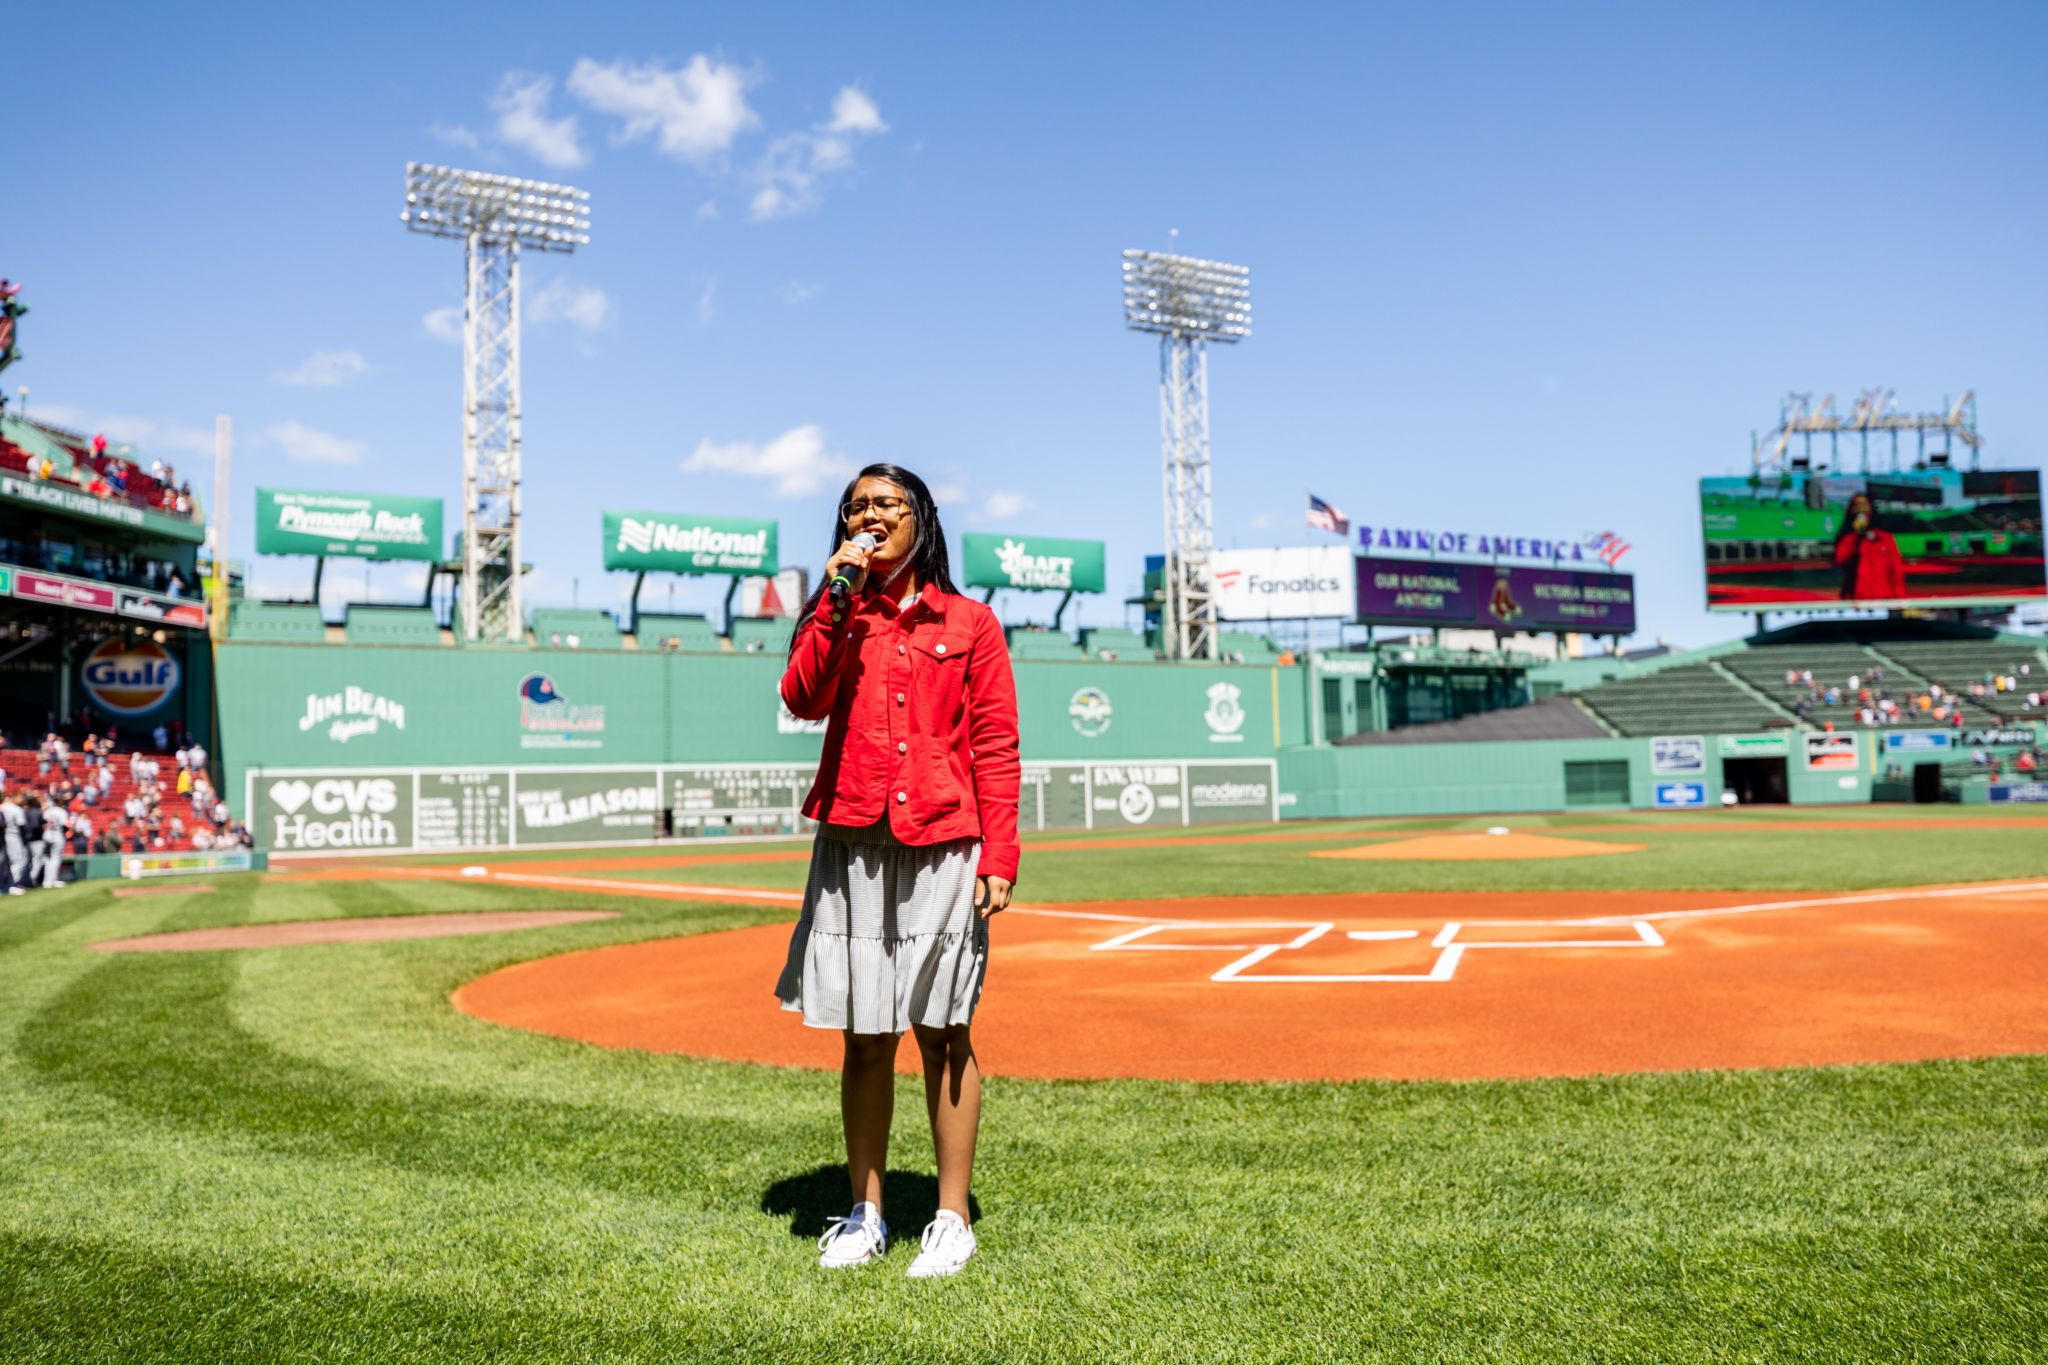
[1029,643]
[367,625]
[284,622]
[762,634]
[1686,699]
[1114,642]
[560,628]
[1254,649]
[688,634]
[20,768]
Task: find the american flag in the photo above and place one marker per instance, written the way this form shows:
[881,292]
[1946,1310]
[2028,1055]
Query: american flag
[1326,517]
[1609,546]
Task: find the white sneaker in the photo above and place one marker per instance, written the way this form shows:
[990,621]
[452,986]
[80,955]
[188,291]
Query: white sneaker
[854,1240]
[945,1247]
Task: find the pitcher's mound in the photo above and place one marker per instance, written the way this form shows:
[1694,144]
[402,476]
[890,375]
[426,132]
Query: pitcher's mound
[368,930]
[1458,848]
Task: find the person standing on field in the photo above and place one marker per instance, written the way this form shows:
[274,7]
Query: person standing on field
[55,822]
[916,804]
[15,824]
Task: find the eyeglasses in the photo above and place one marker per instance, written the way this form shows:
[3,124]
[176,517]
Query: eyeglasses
[891,508]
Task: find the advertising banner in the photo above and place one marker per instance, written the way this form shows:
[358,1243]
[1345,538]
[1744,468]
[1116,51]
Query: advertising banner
[1286,584]
[1832,749]
[1493,596]
[1033,563]
[1917,538]
[296,521]
[168,611]
[672,542]
[1678,754]
[1916,741]
[572,807]
[340,811]
[79,503]
[304,810]
[63,592]
[1680,795]
[1999,737]
[2029,792]
[1753,746]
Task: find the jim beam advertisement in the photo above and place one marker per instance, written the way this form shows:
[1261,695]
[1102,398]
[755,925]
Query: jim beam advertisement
[334,811]
[575,807]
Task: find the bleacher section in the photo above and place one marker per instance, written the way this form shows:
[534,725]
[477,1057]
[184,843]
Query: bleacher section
[1551,718]
[286,622]
[1747,689]
[367,625]
[1029,643]
[1687,699]
[20,767]
[560,628]
[1114,642]
[762,634]
[686,634]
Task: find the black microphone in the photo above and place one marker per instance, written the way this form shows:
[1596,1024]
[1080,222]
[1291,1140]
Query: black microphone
[840,585]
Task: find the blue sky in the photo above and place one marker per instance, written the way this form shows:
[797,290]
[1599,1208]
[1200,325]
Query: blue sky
[1530,270]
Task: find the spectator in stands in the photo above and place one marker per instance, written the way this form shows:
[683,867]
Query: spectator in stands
[162,738]
[177,828]
[46,756]
[2026,763]
[1872,568]
[106,779]
[81,832]
[110,840]
[220,814]
[132,807]
[202,838]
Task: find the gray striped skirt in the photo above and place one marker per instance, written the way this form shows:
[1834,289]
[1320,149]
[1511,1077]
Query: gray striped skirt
[889,935]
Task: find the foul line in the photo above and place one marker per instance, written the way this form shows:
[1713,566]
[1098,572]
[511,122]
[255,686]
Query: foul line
[1854,898]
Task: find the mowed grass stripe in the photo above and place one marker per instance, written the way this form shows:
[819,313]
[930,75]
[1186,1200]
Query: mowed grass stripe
[303,1153]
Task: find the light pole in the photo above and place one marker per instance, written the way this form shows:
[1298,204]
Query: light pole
[494,215]
[1189,303]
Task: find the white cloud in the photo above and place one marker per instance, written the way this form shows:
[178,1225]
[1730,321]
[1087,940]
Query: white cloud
[455,135]
[796,461]
[579,305]
[693,111]
[1002,505]
[707,303]
[309,446]
[152,437]
[444,324]
[324,370]
[854,112]
[796,293]
[521,105]
[707,211]
[790,173]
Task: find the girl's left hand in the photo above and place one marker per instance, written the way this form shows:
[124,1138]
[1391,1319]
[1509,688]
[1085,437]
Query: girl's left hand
[991,894]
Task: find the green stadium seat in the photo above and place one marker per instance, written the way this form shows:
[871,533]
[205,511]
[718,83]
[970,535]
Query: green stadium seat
[293,622]
[1114,642]
[687,634]
[762,634]
[368,625]
[1026,643]
[559,628]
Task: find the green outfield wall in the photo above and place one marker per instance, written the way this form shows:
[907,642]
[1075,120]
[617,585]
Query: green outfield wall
[393,747]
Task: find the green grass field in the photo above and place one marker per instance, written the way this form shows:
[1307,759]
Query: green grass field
[305,1154]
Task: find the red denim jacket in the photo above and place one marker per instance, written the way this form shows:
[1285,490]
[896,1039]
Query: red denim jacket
[923,723]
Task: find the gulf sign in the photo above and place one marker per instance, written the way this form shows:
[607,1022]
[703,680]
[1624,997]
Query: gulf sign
[129,677]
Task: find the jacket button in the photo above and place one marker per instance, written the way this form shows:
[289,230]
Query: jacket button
[899,699]
[901,797]
[938,649]
[901,650]
[901,747]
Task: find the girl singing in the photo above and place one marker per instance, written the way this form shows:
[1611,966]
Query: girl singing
[916,804]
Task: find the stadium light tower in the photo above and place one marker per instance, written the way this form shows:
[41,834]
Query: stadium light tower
[495,216]
[1189,303]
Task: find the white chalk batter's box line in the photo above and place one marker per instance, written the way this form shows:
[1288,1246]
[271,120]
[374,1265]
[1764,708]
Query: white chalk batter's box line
[1450,949]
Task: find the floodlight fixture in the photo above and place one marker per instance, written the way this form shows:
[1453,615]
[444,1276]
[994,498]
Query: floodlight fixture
[446,202]
[1186,296]
[494,216]
[1187,303]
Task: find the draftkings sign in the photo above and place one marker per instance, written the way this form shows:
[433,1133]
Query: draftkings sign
[1032,562]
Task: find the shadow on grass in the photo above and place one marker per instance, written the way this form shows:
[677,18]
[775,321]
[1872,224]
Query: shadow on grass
[909,1200]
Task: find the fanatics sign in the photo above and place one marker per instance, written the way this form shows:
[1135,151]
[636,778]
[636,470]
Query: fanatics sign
[1288,584]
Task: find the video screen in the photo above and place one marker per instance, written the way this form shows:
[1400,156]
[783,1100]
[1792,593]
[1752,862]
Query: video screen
[1927,538]
[1508,597]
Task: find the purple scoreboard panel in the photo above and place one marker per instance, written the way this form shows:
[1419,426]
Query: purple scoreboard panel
[1405,592]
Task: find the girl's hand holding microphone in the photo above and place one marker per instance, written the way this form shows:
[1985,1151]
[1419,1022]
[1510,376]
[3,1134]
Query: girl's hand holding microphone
[846,570]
